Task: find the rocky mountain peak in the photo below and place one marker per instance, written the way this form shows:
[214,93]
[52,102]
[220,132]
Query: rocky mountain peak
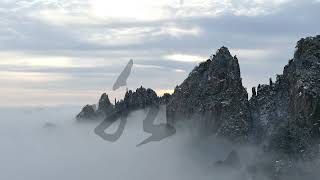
[223,54]
[225,66]
[87,112]
[308,48]
[213,96]
[286,113]
[220,72]
[104,105]
[104,101]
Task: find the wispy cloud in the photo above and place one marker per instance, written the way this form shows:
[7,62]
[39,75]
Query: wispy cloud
[32,76]
[81,45]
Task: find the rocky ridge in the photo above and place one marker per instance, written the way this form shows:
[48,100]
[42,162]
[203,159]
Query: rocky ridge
[282,117]
[213,96]
[133,100]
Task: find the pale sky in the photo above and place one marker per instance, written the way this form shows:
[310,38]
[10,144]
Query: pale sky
[56,52]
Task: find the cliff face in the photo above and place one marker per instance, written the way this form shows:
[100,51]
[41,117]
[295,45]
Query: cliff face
[269,109]
[213,98]
[303,75]
[286,114]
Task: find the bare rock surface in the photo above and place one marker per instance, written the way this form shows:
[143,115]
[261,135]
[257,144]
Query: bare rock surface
[213,97]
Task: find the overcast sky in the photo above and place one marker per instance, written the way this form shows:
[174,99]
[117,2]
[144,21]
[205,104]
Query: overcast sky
[70,51]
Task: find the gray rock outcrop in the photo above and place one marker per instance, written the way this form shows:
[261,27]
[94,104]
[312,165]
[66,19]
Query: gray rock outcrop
[104,106]
[213,97]
[286,114]
[87,112]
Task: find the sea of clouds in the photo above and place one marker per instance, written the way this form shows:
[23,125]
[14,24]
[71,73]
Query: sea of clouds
[48,143]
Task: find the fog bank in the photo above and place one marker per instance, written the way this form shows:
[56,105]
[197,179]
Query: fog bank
[47,143]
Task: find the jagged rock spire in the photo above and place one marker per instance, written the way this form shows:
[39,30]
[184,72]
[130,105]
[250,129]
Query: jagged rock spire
[104,104]
[223,52]
[214,87]
[254,92]
[270,82]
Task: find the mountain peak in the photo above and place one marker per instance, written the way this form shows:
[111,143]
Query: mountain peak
[308,48]
[104,104]
[213,91]
[224,52]
[223,58]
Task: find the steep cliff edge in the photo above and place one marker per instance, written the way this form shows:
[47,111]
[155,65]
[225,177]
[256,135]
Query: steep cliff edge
[286,114]
[213,98]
